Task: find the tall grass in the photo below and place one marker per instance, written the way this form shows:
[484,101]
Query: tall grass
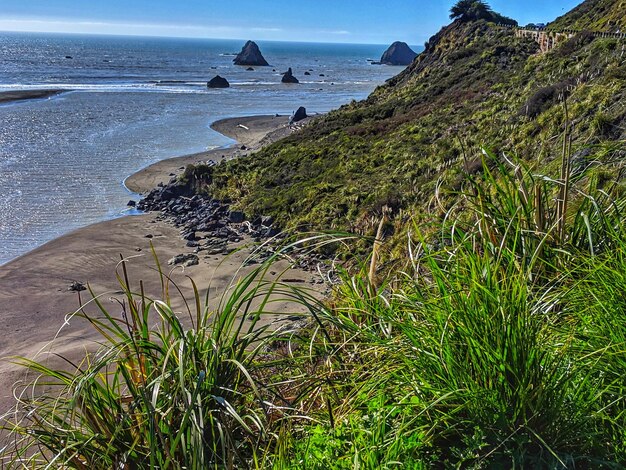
[498,342]
[500,345]
[161,392]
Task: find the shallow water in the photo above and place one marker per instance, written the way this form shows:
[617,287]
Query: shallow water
[135,101]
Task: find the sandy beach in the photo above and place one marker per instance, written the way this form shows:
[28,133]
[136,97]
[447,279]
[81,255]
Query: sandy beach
[35,299]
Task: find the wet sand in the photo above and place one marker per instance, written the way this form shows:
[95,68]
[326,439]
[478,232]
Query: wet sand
[8,96]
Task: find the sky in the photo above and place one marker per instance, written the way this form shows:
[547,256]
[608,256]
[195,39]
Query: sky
[340,21]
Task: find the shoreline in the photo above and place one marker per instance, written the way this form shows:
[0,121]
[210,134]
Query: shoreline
[23,95]
[35,295]
[257,131]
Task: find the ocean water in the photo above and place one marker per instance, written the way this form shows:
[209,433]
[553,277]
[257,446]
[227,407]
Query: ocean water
[131,102]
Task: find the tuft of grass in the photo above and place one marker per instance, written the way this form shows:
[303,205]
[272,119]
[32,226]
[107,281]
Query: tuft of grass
[161,392]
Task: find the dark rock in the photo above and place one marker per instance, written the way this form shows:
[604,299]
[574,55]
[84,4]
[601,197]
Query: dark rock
[307,73]
[322,75]
[236,217]
[399,53]
[250,69]
[186,259]
[218,82]
[131,203]
[250,55]
[189,236]
[76,286]
[299,115]
[289,78]
[69,57]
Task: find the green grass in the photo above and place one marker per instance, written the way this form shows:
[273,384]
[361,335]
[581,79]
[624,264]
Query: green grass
[497,341]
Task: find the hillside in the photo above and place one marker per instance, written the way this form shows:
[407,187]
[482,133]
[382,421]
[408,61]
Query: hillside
[596,15]
[496,340]
[474,85]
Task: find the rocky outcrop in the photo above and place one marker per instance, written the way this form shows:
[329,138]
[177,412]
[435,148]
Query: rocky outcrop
[194,214]
[250,55]
[218,82]
[289,78]
[399,53]
[299,115]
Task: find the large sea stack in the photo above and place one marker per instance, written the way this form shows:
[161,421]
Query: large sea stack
[250,55]
[399,53]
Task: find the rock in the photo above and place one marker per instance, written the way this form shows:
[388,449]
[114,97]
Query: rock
[236,217]
[250,55]
[299,115]
[218,82]
[399,53]
[250,69]
[190,236]
[131,203]
[188,259]
[322,75]
[192,262]
[69,57]
[76,286]
[289,78]
[307,73]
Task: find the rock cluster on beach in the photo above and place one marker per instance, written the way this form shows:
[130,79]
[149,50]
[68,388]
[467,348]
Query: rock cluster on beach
[250,55]
[218,82]
[209,225]
[399,53]
[206,224]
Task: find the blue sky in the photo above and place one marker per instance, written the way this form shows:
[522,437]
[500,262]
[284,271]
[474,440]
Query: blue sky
[355,21]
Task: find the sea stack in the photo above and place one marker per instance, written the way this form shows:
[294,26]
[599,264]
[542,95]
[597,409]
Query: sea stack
[399,53]
[289,78]
[250,55]
[218,82]
[299,115]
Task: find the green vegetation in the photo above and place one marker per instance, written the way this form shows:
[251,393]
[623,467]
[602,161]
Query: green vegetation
[498,343]
[596,15]
[473,10]
[488,330]
[476,84]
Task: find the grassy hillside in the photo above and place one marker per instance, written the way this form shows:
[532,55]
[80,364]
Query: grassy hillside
[497,343]
[475,85]
[595,15]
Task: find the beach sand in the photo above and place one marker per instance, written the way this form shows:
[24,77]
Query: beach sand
[34,295]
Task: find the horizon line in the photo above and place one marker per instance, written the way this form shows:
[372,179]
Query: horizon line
[160,36]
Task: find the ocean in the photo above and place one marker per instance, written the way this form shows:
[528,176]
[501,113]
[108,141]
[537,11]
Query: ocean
[132,101]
